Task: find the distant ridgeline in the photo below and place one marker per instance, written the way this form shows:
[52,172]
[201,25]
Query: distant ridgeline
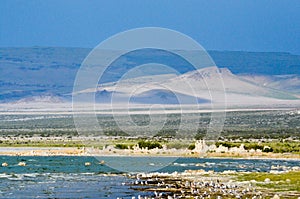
[266,63]
[31,71]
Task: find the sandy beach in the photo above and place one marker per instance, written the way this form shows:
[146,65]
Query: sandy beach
[41,151]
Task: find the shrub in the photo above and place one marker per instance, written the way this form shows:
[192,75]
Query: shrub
[254,146]
[149,144]
[227,144]
[122,146]
[191,147]
[267,149]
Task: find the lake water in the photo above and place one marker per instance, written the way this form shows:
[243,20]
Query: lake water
[68,177]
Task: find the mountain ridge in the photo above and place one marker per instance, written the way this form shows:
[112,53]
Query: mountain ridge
[28,72]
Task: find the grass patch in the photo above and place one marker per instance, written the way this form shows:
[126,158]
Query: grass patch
[278,182]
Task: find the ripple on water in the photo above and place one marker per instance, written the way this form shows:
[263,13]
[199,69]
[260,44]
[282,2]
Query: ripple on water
[67,177]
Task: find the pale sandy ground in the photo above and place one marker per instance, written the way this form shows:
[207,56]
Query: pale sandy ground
[73,151]
[66,108]
[41,151]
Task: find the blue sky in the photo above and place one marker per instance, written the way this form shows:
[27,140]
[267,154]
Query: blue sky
[257,25]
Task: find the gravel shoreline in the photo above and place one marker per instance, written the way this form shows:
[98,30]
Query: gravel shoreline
[202,184]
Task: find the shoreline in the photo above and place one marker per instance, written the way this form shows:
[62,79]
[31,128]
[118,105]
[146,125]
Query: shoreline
[75,151]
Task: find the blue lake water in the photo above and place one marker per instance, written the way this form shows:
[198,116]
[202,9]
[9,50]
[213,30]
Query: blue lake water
[68,177]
